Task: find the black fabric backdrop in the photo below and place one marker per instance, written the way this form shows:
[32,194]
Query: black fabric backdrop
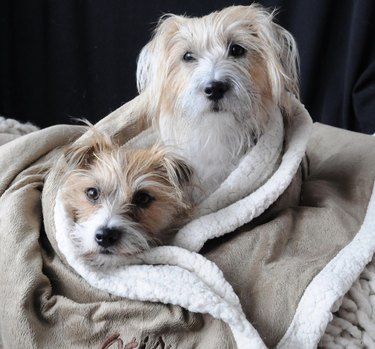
[73,58]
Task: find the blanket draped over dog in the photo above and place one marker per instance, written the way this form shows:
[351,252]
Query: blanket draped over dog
[262,267]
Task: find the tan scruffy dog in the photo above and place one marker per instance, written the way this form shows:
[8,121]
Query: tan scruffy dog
[122,201]
[213,82]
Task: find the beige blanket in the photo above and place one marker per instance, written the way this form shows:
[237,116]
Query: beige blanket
[275,263]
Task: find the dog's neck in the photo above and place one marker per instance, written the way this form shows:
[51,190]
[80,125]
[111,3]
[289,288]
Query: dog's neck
[214,145]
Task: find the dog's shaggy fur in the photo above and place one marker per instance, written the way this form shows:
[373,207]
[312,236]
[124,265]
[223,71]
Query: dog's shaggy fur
[213,81]
[123,201]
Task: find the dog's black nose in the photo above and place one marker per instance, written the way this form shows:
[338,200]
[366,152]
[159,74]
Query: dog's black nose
[215,90]
[107,237]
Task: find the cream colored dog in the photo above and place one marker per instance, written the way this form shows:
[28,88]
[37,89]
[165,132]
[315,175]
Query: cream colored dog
[212,82]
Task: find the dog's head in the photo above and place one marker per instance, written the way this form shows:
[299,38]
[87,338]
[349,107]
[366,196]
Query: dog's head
[122,202]
[234,62]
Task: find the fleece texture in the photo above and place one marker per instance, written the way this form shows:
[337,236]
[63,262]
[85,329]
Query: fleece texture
[264,269]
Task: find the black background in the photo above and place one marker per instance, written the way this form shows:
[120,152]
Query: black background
[72,58]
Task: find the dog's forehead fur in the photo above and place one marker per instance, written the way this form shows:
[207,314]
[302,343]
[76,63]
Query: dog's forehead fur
[240,24]
[123,173]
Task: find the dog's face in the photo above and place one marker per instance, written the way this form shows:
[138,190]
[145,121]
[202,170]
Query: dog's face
[121,201]
[227,67]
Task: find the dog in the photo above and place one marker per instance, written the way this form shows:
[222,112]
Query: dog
[123,201]
[213,82]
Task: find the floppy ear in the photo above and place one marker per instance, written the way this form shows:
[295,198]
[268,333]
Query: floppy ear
[144,72]
[83,151]
[150,64]
[179,171]
[279,50]
[184,172]
[286,53]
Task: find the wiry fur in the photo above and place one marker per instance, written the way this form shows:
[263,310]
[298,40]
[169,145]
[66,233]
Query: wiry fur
[118,174]
[214,136]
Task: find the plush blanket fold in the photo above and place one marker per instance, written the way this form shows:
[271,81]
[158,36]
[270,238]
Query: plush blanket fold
[273,260]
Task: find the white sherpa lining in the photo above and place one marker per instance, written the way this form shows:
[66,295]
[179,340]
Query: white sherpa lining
[254,169]
[196,233]
[180,277]
[315,308]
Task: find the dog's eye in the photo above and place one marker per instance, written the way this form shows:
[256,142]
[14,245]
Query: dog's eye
[236,50]
[188,57]
[142,199]
[92,194]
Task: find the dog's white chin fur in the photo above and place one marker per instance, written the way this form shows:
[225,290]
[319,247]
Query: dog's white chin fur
[213,142]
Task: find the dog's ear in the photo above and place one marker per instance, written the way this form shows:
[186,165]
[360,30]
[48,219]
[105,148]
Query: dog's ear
[150,64]
[144,66]
[286,64]
[178,170]
[183,171]
[283,63]
[83,151]
[279,50]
